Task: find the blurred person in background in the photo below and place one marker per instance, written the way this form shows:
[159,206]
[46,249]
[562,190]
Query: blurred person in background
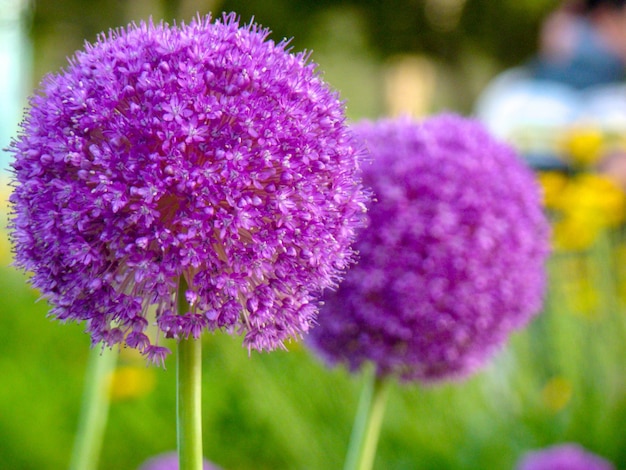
[566,107]
[583,44]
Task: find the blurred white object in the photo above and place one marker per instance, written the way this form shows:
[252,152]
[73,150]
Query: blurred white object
[14,70]
[534,114]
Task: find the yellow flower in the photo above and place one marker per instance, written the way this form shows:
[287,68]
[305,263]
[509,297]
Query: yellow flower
[5,246]
[601,194]
[585,206]
[583,145]
[557,393]
[5,249]
[552,183]
[131,382]
[574,233]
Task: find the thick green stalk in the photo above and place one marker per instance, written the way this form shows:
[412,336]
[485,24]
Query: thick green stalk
[94,411]
[369,418]
[188,395]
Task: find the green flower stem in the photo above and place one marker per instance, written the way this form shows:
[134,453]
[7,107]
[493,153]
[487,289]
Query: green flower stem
[94,411]
[188,395]
[369,418]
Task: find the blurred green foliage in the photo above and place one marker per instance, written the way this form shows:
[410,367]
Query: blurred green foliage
[561,380]
[469,40]
[445,28]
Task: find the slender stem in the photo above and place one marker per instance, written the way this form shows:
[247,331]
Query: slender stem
[369,418]
[188,395]
[94,411]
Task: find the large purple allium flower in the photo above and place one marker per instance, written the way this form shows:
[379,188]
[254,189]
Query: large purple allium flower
[452,261]
[203,156]
[563,457]
[169,461]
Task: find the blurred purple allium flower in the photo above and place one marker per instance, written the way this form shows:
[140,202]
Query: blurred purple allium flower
[453,260]
[563,457]
[204,152]
[169,461]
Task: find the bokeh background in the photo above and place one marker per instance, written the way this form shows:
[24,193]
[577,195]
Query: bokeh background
[561,380]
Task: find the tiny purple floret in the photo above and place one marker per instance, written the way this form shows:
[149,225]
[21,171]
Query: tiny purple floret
[169,461]
[563,457]
[200,160]
[453,259]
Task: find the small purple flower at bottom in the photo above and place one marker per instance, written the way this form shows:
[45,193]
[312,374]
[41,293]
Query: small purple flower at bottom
[563,457]
[200,160]
[169,461]
[452,261]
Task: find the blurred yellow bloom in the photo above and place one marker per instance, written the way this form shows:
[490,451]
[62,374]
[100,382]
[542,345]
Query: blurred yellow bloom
[5,245]
[583,206]
[6,256]
[584,145]
[293,345]
[596,196]
[131,382]
[552,183]
[582,298]
[556,394]
[574,233]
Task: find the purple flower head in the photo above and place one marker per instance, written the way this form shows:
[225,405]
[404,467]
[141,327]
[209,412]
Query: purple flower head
[452,261]
[563,457]
[169,461]
[204,156]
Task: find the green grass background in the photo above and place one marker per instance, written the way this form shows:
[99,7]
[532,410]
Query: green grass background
[285,410]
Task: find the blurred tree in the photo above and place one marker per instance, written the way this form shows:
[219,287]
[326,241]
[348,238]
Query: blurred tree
[503,29]
[469,40]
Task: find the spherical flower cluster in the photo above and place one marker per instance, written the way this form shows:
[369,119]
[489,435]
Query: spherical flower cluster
[563,457]
[200,160]
[453,259]
[169,461]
